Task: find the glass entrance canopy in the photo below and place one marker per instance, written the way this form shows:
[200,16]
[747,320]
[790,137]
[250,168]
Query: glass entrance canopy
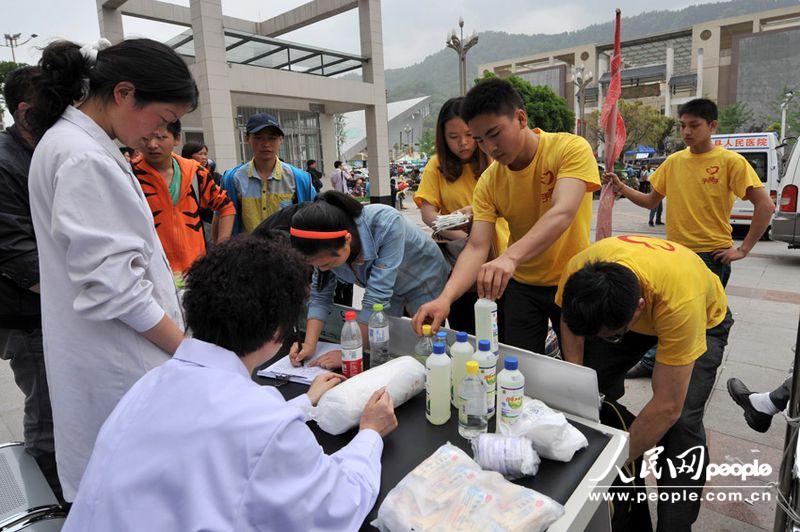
[249,49]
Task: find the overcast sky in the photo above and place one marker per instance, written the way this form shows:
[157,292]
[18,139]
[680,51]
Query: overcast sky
[412,29]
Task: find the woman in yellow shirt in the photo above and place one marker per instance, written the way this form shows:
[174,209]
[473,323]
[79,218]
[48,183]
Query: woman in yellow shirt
[448,181]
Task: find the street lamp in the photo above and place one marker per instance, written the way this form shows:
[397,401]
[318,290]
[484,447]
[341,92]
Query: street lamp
[784,104]
[12,41]
[461,47]
[581,78]
[407,130]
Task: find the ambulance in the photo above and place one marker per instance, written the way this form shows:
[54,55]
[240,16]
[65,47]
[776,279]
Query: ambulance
[761,151]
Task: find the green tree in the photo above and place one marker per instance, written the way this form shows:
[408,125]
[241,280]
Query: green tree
[733,118]
[5,68]
[544,107]
[644,125]
[427,144]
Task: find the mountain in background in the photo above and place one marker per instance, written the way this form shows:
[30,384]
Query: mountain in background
[437,74]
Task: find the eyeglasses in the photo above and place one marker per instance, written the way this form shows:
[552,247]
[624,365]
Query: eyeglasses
[616,337]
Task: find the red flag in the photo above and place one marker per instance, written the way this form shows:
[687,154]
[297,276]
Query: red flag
[614,133]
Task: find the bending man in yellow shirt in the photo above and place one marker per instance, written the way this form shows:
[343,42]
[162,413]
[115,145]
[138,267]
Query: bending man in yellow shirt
[541,183]
[624,295]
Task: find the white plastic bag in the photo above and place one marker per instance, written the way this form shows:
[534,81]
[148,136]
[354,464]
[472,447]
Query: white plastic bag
[340,409]
[449,492]
[552,435]
[511,456]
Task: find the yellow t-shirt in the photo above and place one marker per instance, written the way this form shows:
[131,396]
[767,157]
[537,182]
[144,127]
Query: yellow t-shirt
[683,298]
[450,196]
[700,190]
[524,196]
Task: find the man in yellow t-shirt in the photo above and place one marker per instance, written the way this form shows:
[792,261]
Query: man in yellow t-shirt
[619,298]
[701,184]
[541,183]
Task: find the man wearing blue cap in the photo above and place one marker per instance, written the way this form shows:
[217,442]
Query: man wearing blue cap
[264,185]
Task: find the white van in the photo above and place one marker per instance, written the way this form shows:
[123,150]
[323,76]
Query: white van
[786,220]
[760,150]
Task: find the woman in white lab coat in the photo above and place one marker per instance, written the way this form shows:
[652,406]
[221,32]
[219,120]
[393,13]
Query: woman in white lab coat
[110,311]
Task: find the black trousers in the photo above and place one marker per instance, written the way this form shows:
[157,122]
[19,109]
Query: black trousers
[780,395]
[527,309]
[611,361]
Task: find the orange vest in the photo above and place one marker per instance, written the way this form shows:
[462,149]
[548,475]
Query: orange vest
[179,226]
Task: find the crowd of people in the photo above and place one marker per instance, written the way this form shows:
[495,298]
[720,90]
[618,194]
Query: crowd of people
[151,420]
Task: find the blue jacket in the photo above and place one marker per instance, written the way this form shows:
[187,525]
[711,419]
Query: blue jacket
[399,264]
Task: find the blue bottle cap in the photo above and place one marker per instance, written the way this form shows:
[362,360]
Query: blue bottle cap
[461,336]
[438,348]
[484,345]
[511,363]
[442,336]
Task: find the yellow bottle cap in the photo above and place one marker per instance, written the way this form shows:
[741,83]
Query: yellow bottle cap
[472,367]
[426,330]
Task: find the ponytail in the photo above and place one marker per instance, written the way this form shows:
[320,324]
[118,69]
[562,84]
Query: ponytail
[157,73]
[330,213]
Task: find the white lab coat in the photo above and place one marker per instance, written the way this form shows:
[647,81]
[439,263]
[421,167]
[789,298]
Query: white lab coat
[197,445]
[104,279]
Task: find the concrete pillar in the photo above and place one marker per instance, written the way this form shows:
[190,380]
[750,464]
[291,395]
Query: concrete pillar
[110,20]
[668,92]
[377,117]
[327,130]
[211,75]
[699,73]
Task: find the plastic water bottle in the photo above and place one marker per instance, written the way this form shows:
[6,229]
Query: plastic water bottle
[441,336]
[424,346]
[510,392]
[486,323]
[472,415]
[352,346]
[437,386]
[378,336]
[487,361]
[461,352]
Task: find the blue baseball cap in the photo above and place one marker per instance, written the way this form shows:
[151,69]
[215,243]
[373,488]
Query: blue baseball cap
[260,121]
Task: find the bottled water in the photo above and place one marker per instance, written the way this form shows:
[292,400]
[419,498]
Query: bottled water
[352,346]
[487,361]
[510,393]
[441,336]
[472,415]
[461,352]
[486,323]
[424,346]
[378,336]
[437,386]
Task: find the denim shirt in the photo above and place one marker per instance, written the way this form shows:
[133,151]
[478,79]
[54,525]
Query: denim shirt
[398,260]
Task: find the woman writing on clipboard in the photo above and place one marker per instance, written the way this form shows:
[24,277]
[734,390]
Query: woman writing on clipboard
[371,246]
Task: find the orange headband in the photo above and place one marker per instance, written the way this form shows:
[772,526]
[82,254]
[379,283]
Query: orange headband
[318,235]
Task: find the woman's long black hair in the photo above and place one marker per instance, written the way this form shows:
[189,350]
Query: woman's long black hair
[156,71]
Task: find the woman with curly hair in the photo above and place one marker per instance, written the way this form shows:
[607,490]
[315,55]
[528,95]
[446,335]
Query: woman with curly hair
[197,445]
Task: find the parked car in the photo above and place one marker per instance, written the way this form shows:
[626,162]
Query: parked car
[786,220]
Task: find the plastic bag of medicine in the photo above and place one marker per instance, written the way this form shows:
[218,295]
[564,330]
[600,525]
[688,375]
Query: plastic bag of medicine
[511,456]
[340,408]
[552,435]
[449,492]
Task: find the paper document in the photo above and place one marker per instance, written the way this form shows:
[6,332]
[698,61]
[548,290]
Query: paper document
[283,369]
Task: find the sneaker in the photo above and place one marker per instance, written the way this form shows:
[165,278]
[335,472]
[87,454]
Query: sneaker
[650,224]
[659,223]
[758,421]
[639,371]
